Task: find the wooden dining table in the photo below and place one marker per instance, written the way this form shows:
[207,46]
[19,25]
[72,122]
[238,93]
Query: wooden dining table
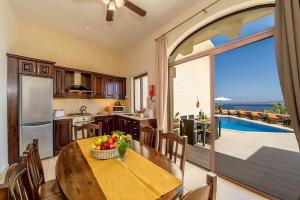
[77,181]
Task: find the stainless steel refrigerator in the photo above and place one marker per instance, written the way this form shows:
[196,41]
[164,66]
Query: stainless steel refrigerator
[35,107]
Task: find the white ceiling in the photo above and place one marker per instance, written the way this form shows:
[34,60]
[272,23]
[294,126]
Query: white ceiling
[72,16]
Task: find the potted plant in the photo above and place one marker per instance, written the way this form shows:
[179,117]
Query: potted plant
[123,143]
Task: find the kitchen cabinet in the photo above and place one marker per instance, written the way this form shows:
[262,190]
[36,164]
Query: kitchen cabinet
[34,68]
[120,88]
[27,67]
[98,86]
[59,83]
[108,123]
[62,134]
[44,69]
[109,87]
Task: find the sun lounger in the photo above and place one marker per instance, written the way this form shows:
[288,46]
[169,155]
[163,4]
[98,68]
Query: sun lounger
[255,115]
[242,113]
[272,118]
[232,112]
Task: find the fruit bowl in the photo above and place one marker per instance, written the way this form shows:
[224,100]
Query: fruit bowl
[104,147]
[104,154]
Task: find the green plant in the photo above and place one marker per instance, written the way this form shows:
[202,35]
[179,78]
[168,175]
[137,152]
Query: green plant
[124,141]
[176,115]
[278,108]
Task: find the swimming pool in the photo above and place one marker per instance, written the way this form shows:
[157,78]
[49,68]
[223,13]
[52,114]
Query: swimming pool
[247,126]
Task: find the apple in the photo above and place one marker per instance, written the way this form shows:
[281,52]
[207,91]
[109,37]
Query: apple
[106,145]
[98,147]
[115,139]
[110,141]
[98,141]
[111,146]
[94,147]
[104,138]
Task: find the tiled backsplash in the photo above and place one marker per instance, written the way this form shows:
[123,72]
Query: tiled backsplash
[73,105]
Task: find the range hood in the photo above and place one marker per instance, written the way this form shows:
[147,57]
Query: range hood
[77,86]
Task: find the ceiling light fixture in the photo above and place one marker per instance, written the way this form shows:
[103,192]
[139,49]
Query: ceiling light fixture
[119,3]
[87,28]
[112,6]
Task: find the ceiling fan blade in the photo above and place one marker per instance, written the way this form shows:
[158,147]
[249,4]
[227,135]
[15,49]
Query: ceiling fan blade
[135,8]
[109,15]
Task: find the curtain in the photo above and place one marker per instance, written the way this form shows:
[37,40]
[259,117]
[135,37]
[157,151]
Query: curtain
[287,39]
[162,84]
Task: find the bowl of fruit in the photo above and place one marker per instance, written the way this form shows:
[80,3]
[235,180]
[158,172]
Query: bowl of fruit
[105,147]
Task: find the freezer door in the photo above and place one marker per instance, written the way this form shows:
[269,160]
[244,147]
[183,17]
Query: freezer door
[36,96]
[43,133]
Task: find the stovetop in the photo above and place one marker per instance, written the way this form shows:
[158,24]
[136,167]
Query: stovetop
[80,115]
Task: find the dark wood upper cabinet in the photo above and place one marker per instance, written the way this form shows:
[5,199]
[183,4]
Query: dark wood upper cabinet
[120,88]
[27,67]
[98,86]
[59,83]
[109,87]
[44,69]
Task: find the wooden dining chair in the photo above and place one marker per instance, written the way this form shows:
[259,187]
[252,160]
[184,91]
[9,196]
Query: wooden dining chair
[42,190]
[169,144]
[207,192]
[4,191]
[91,130]
[148,136]
[18,183]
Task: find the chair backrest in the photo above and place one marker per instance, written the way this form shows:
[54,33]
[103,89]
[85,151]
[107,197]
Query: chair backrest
[18,183]
[90,129]
[182,117]
[207,192]
[169,146]
[191,117]
[33,163]
[148,136]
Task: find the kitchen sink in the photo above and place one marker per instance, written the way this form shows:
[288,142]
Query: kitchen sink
[129,114]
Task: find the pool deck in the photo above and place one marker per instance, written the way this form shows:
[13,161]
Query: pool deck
[269,162]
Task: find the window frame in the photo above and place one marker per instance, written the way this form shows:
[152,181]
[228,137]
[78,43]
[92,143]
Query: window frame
[141,76]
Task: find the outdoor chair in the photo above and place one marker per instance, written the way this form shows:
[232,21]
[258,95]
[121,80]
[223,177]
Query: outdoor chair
[205,133]
[191,117]
[188,129]
[182,117]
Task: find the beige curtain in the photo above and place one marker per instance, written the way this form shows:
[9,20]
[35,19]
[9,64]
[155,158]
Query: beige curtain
[162,84]
[287,39]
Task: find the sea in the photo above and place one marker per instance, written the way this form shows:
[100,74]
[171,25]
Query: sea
[247,106]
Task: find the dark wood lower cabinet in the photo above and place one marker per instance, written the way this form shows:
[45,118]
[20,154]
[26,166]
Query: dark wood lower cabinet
[62,134]
[125,124]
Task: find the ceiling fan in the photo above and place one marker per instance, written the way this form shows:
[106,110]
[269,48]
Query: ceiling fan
[112,5]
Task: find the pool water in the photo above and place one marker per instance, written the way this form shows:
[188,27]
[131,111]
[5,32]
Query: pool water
[247,126]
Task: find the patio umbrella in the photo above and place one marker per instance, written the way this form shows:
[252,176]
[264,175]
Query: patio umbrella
[220,99]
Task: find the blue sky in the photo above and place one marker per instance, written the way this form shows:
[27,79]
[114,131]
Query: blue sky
[248,73]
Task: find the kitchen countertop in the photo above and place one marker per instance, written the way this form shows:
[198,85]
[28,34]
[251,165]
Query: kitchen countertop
[108,114]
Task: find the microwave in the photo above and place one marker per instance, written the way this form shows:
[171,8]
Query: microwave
[119,109]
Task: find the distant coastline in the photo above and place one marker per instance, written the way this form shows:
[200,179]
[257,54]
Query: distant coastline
[250,106]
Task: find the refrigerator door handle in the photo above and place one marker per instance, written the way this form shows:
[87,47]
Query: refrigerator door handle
[37,124]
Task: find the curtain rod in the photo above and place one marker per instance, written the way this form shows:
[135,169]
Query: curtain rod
[175,27]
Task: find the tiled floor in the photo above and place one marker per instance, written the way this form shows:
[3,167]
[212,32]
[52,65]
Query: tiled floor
[194,176]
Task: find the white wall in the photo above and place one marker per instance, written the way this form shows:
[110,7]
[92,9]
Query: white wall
[192,80]
[7,29]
